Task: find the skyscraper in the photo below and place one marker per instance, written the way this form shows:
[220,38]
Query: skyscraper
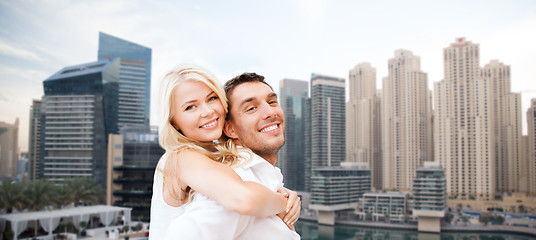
[430,199]
[134,81]
[293,96]
[34,139]
[132,158]
[406,124]
[328,121]
[78,111]
[507,126]
[9,149]
[464,137]
[363,138]
[328,143]
[531,147]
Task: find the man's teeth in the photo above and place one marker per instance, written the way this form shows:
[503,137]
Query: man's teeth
[270,128]
[209,124]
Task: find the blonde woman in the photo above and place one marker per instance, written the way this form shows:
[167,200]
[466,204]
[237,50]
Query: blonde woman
[199,158]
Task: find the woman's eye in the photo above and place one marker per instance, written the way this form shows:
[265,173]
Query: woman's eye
[189,108]
[213,98]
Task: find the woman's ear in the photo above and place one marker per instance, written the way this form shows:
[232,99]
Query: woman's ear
[229,131]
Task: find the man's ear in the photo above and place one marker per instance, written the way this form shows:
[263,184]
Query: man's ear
[229,131]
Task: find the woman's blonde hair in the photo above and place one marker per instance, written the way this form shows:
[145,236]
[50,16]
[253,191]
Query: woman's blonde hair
[172,139]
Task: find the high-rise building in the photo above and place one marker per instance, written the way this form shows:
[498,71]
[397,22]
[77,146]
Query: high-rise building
[327,121]
[337,188]
[407,121]
[531,147]
[363,139]
[429,196]
[132,158]
[463,124]
[78,111]
[134,81]
[34,139]
[293,96]
[507,126]
[9,149]
[308,166]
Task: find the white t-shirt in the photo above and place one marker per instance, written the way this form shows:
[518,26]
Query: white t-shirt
[203,218]
[161,213]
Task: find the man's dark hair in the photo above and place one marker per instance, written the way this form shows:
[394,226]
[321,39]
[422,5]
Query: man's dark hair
[242,78]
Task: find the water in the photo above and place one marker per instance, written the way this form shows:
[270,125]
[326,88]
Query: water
[310,230]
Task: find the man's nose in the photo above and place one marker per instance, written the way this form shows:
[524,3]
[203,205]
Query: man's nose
[268,111]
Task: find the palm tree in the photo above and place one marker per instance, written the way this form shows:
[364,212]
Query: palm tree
[85,191]
[11,196]
[39,193]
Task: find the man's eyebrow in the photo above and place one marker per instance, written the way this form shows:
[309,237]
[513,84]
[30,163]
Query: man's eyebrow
[247,100]
[273,94]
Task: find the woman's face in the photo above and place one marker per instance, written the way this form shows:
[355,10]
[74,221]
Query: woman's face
[198,111]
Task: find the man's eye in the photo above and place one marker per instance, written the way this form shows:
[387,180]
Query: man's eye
[250,109]
[272,102]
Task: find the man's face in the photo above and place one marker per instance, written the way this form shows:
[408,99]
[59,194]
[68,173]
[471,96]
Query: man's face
[256,118]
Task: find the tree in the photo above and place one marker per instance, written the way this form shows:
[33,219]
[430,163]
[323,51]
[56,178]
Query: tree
[12,196]
[448,217]
[521,209]
[459,207]
[39,193]
[85,191]
[465,219]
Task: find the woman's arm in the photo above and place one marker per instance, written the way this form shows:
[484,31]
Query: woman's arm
[220,183]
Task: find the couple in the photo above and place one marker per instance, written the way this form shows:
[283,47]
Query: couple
[217,179]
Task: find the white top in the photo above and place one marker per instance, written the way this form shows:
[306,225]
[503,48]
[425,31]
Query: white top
[161,213]
[203,218]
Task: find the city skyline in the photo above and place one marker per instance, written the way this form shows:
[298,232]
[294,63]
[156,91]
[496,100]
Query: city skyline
[277,39]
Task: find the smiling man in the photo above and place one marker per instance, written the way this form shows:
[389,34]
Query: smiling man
[255,119]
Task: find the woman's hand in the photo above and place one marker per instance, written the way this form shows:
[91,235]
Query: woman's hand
[292,212]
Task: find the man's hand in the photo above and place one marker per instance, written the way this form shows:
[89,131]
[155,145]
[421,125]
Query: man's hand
[292,212]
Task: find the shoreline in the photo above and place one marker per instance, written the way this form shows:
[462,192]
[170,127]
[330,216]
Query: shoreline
[444,228]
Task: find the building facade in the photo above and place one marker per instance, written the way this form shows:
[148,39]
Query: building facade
[363,136]
[134,81]
[429,188]
[328,116]
[132,158]
[292,160]
[382,205]
[406,121]
[78,111]
[531,148]
[34,172]
[464,137]
[508,129]
[9,149]
[338,188]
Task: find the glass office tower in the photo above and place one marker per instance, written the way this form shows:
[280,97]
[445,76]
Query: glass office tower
[78,111]
[134,81]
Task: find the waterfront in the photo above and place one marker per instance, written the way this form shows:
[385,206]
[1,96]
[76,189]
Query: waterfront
[313,231]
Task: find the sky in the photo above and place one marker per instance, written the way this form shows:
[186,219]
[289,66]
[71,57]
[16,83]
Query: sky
[278,39]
